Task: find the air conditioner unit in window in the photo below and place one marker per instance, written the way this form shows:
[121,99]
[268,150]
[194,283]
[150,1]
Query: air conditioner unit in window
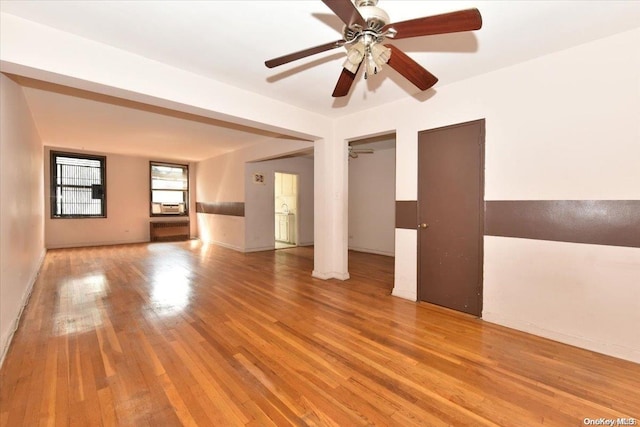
[170,208]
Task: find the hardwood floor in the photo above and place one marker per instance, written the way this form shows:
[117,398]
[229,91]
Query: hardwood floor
[190,334]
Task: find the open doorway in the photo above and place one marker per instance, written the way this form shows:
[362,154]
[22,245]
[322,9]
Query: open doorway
[286,210]
[372,195]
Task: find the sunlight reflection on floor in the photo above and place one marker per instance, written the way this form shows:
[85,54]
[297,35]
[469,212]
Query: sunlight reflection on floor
[170,291]
[79,306]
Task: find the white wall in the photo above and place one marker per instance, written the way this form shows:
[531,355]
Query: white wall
[40,52]
[127,218]
[222,179]
[584,295]
[260,208]
[372,195]
[563,126]
[21,207]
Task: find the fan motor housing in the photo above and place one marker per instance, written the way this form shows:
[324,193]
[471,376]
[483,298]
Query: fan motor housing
[375,17]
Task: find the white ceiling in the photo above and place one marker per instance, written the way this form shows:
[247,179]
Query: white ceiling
[81,120]
[230,40]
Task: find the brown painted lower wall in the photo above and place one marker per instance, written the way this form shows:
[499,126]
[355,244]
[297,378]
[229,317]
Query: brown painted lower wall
[598,222]
[221,208]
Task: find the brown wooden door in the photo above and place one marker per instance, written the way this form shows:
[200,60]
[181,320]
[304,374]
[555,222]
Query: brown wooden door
[451,216]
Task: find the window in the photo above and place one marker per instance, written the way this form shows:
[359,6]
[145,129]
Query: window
[78,186]
[169,189]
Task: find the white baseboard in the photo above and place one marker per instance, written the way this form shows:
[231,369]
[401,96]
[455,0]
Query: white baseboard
[330,275]
[247,250]
[260,249]
[411,296]
[91,244]
[371,251]
[322,276]
[25,300]
[226,245]
[621,352]
[341,276]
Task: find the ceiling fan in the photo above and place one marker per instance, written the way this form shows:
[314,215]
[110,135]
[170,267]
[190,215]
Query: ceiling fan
[355,152]
[367,27]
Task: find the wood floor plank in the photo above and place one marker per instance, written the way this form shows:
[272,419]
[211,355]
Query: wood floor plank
[177,384]
[192,334]
[181,408]
[107,409]
[48,404]
[230,411]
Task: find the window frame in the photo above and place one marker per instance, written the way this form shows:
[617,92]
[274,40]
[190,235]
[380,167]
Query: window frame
[53,175]
[151,189]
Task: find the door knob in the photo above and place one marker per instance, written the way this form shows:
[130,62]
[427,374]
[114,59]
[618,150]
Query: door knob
[423,225]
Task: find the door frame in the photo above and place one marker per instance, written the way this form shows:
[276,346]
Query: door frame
[297,219]
[481,203]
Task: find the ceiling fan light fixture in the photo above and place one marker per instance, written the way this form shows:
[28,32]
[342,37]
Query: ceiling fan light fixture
[355,54]
[380,54]
[371,67]
[377,55]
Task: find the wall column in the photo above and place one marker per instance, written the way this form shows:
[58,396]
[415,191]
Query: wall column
[405,283]
[330,204]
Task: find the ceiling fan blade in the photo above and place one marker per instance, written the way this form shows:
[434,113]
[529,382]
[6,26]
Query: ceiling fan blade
[345,81]
[346,11]
[303,53]
[410,69]
[453,22]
